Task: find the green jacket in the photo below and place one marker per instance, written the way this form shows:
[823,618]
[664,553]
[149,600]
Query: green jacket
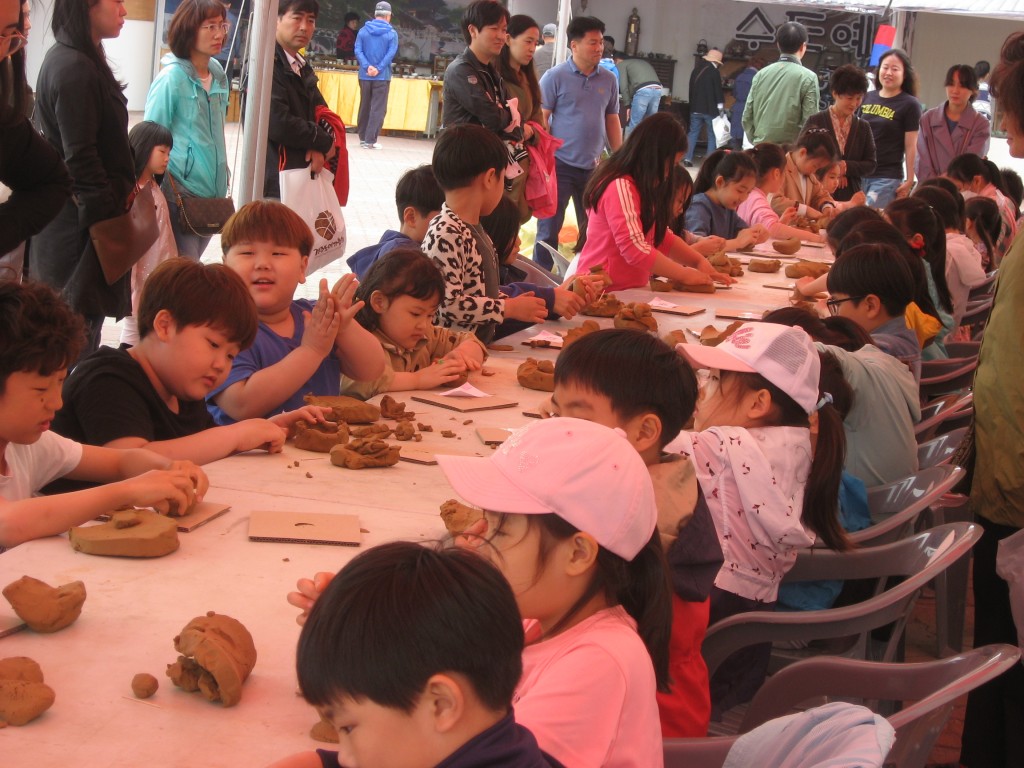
[782,97]
[632,74]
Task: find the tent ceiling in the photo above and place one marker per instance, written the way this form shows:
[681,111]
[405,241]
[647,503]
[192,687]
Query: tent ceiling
[1006,9]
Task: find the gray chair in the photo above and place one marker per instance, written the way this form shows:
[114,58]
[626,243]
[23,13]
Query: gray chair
[984,289]
[561,264]
[939,450]
[935,412]
[976,316]
[943,377]
[535,273]
[896,506]
[950,585]
[963,349]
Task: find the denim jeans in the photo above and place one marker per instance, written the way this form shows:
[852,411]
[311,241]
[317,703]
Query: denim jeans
[645,103]
[880,192]
[571,181]
[698,119]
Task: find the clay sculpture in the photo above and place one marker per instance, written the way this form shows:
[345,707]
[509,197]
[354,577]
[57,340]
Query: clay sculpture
[392,409]
[405,431]
[23,695]
[605,306]
[144,685]
[320,438]
[637,316]
[21,668]
[537,374]
[458,517]
[345,408]
[806,269]
[44,608]
[789,246]
[365,453]
[128,533]
[718,259]
[660,286]
[578,286]
[379,431]
[217,655]
[589,326]
[712,337]
[767,266]
[674,337]
[324,731]
[684,287]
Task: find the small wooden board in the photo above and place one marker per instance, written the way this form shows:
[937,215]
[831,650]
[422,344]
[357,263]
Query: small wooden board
[533,414]
[201,514]
[492,435]
[790,286]
[679,309]
[543,344]
[738,314]
[466,404]
[305,528]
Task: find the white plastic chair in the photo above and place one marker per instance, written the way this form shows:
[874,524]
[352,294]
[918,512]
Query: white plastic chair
[535,273]
[935,412]
[896,506]
[561,264]
[939,450]
[984,289]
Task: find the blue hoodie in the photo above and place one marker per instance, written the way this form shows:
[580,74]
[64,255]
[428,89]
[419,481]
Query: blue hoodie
[376,46]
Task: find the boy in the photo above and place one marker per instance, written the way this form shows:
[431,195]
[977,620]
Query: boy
[193,320]
[872,285]
[413,654]
[41,334]
[419,199]
[632,381]
[300,346]
[469,163]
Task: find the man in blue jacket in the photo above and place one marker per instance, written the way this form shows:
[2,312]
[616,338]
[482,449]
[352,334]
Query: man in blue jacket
[376,46]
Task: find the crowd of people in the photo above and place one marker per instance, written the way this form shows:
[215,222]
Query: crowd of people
[555,632]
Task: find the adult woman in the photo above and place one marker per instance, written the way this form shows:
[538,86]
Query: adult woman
[189,97]
[82,112]
[992,734]
[740,91]
[515,65]
[953,128]
[894,114]
[852,134]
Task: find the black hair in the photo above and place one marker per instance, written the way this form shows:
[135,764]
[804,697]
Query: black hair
[848,80]
[609,39]
[464,152]
[517,25]
[913,215]
[965,74]
[579,26]
[682,184]
[982,68]
[400,613]
[71,20]
[480,14]
[767,157]
[790,36]
[909,76]
[819,144]
[15,101]
[874,269]
[965,167]
[351,16]
[1013,186]
[995,176]
[946,185]
[401,272]
[944,205]
[731,166]
[988,223]
[637,372]
[419,189]
[42,334]
[298,6]
[835,331]
[847,221]
[502,226]
[144,137]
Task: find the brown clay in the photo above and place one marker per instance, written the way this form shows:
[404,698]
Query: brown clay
[365,453]
[718,259]
[589,326]
[674,337]
[637,316]
[660,286]
[537,374]
[404,431]
[458,517]
[45,608]
[447,433]
[789,246]
[21,701]
[379,430]
[766,266]
[345,408]
[704,288]
[392,409]
[324,731]
[128,533]
[424,427]
[21,668]
[217,655]
[144,685]
[712,337]
[606,306]
[806,269]
[320,438]
[598,271]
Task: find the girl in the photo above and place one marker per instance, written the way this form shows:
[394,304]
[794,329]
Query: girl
[629,203]
[401,292]
[975,176]
[759,405]
[770,160]
[725,180]
[830,176]
[151,146]
[815,149]
[683,181]
[952,128]
[983,223]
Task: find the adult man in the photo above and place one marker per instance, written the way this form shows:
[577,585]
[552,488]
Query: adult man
[639,88]
[376,46]
[293,135]
[784,94]
[706,101]
[608,56]
[544,56]
[581,104]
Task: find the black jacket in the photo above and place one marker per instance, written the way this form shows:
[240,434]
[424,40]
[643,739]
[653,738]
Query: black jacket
[293,128]
[475,93]
[859,154]
[705,88]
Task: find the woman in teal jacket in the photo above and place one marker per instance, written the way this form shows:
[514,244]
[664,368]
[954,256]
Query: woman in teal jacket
[189,97]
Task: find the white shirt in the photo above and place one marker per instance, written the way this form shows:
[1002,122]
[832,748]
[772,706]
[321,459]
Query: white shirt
[30,467]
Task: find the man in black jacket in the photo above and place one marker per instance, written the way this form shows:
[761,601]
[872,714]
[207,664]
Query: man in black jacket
[706,101]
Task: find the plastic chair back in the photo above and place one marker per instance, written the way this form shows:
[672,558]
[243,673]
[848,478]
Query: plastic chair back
[535,273]
[963,349]
[936,411]
[939,450]
[561,264]
[941,377]
[707,752]
[976,316]
[984,289]
[896,506]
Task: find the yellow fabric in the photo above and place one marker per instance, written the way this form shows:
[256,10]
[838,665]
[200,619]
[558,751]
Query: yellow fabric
[408,100]
[924,326]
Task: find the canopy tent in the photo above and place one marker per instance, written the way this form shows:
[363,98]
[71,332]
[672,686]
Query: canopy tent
[1001,9]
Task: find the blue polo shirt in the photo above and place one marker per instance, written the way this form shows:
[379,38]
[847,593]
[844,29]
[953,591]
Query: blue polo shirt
[579,104]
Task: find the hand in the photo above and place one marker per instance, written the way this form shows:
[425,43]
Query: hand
[441,372]
[260,433]
[788,215]
[344,291]
[199,479]
[722,278]
[858,199]
[469,354]
[308,592]
[315,160]
[802,286]
[759,233]
[592,286]
[474,536]
[322,324]
[526,307]
[568,303]
[547,410]
[332,152]
[311,414]
[903,190]
[162,489]
[709,245]
[372,71]
[527,132]
[691,276]
[843,182]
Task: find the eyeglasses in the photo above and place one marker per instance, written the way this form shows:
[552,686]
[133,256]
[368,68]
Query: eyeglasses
[223,27]
[12,42]
[833,304]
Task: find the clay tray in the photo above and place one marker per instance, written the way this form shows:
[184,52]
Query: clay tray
[466,404]
[678,309]
[739,314]
[305,528]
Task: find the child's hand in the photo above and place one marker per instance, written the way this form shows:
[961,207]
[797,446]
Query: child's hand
[546,409]
[709,245]
[592,286]
[161,489]
[788,215]
[526,307]
[311,414]
[858,198]
[721,278]
[441,372]
[758,233]
[469,354]
[200,481]
[473,536]
[344,291]
[804,286]
[322,324]
[568,303]
[261,433]
[308,592]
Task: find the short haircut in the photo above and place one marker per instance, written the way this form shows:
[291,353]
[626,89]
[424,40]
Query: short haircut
[819,144]
[502,226]
[849,80]
[42,334]
[199,294]
[465,151]
[982,68]
[267,221]
[401,612]
[874,269]
[636,372]
[418,188]
[1008,78]
[965,74]
[401,272]
[298,6]
[1014,186]
[185,23]
[965,167]
[581,25]
[790,36]
[835,331]
[144,137]
[351,16]
[480,14]
[767,157]
[609,39]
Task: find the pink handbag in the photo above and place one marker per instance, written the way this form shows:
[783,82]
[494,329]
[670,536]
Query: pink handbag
[541,184]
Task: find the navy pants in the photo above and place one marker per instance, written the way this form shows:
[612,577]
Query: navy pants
[373,105]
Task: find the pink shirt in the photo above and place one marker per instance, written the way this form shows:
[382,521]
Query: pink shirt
[588,694]
[616,239]
[756,210]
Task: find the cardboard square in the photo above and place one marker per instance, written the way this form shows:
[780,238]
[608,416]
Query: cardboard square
[679,309]
[535,414]
[465,404]
[543,344]
[739,314]
[786,286]
[201,514]
[417,456]
[305,528]
[492,435]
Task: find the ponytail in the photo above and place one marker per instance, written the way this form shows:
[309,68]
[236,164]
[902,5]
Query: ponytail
[767,157]
[912,215]
[731,166]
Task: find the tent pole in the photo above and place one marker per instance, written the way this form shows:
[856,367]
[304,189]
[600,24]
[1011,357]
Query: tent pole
[257,102]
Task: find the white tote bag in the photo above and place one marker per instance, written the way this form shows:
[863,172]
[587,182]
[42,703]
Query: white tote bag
[316,202]
[722,128]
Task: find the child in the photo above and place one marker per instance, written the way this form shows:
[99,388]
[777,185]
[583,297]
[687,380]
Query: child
[830,177]
[753,455]
[151,147]
[815,149]
[469,163]
[398,301]
[629,201]
[725,180]
[770,160]
[413,655]
[983,225]
[300,346]
[193,320]
[683,181]
[41,335]
[974,175]
[631,381]
[592,584]
[419,199]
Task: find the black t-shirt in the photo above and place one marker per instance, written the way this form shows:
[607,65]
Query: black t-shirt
[890,119]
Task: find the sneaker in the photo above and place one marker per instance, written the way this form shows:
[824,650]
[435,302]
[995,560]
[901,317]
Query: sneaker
[365,145]
[376,145]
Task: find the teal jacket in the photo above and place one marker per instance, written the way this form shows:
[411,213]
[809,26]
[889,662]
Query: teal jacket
[195,118]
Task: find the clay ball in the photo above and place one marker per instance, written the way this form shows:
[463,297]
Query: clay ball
[144,685]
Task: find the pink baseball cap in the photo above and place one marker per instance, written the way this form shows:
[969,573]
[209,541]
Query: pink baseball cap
[587,474]
[785,356]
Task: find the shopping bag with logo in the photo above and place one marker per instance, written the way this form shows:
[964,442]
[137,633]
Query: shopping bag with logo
[723,130]
[315,200]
